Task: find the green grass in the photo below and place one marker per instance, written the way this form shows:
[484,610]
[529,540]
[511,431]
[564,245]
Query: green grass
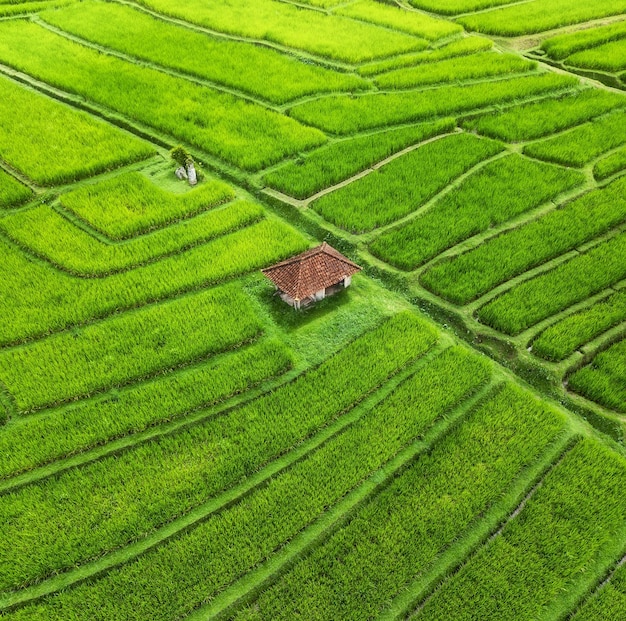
[403,185]
[202,116]
[547,294]
[33,441]
[127,347]
[610,165]
[459,47]
[252,69]
[234,541]
[535,16]
[485,64]
[562,46]
[581,145]
[329,165]
[563,338]
[51,143]
[48,234]
[346,115]
[331,36]
[12,192]
[452,7]
[608,57]
[554,546]
[392,16]
[604,378]
[41,299]
[471,274]
[541,118]
[496,193]
[129,204]
[608,602]
[152,483]
[398,535]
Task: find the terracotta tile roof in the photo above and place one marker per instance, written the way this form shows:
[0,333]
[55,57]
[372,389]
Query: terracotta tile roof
[309,272]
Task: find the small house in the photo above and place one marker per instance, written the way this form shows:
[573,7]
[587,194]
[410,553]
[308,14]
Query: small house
[312,275]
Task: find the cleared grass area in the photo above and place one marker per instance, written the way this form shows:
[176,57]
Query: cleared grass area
[12,192]
[127,347]
[604,379]
[541,118]
[41,299]
[252,69]
[51,143]
[473,273]
[573,281]
[130,204]
[556,545]
[327,166]
[608,57]
[46,233]
[240,132]
[33,441]
[332,36]
[168,585]
[610,165]
[459,47]
[536,16]
[579,146]
[403,185]
[562,46]
[151,484]
[393,16]
[346,115]
[398,536]
[472,67]
[563,338]
[498,192]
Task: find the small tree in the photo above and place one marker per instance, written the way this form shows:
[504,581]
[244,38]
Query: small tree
[181,156]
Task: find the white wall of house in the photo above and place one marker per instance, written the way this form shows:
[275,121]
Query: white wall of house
[320,295]
[347,281]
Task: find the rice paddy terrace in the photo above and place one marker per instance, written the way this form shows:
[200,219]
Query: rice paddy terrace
[444,440]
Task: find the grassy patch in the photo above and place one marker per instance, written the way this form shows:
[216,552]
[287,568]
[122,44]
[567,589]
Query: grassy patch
[252,69]
[193,464]
[129,204]
[399,535]
[555,545]
[471,67]
[332,36]
[579,146]
[330,165]
[563,338]
[473,273]
[498,192]
[541,118]
[604,378]
[46,233]
[127,347]
[346,115]
[240,132]
[51,143]
[549,293]
[403,185]
[12,192]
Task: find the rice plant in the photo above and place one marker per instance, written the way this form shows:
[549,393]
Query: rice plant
[403,185]
[256,70]
[496,193]
[473,273]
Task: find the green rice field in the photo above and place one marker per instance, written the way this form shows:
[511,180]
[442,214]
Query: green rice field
[440,437]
